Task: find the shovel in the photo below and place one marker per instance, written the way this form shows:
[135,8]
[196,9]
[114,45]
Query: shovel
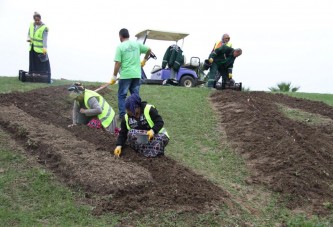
[104,86]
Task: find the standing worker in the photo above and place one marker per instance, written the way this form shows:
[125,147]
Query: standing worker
[224,58]
[214,67]
[37,37]
[142,118]
[127,63]
[224,41]
[92,109]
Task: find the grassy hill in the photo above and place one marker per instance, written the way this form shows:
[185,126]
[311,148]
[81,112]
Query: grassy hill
[33,196]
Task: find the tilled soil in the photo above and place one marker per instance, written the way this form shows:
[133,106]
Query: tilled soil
[81,157]
[290,157]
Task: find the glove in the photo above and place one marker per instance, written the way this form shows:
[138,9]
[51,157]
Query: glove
[150,134]
[143,62]
[230,75]
[211,60]
[44,50]
[117,151]
[113,80]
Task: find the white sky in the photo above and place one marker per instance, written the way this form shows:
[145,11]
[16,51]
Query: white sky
[283,40]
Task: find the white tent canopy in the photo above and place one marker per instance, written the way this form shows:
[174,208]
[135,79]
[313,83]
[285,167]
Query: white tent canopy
[160,35]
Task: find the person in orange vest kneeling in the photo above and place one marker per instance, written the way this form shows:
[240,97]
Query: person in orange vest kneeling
[143,128]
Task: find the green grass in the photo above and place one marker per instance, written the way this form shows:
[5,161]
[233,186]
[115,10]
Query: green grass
[303,116]
[32,196]
[10,84]
[326,98]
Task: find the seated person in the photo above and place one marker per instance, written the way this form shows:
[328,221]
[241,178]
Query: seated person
[142,118]
[91,108]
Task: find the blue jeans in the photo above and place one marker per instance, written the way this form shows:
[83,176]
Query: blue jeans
[133,85]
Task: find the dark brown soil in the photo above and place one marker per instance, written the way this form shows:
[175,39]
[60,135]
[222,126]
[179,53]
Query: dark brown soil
[290,157]
[81,157]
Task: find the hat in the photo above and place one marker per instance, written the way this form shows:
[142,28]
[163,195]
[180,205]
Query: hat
[77,88]
[132,102]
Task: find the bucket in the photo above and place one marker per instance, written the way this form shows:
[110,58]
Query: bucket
[142,138]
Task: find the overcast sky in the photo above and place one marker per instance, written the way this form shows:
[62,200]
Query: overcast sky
[289,41]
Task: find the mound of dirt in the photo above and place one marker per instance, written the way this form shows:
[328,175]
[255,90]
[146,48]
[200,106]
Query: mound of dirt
[80,156]
[290,157]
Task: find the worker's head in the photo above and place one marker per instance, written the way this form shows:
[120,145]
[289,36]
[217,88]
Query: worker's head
[225,38]
[123,34]
[37,18]
[133,106]
[237,52]
[76,91]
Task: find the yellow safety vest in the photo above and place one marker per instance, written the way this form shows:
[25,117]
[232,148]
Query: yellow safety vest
[149,120]
[107,114]
[219,44]
[36,37]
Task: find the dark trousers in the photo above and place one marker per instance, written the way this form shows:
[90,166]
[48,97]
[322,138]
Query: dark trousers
[212,75]
[133,85]
[38,67]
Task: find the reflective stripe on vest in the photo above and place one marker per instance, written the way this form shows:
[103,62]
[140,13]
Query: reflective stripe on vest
[218,44]
[107,114]
[149,120]
[36,37]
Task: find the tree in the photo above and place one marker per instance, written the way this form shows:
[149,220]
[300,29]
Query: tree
[284,87]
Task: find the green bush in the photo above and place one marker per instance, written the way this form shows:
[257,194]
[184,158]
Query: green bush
[284,87]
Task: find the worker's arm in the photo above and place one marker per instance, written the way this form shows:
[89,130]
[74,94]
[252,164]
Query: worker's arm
[117,66]
[122,134]
[75,113]
[45,35]
[95,108]
[28,37]
[157,119]
[147,54]
[221,51]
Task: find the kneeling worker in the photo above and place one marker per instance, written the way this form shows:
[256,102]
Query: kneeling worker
[91,108]
[142,118]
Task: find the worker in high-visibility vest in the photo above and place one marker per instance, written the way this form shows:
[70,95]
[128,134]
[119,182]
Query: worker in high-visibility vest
[143,128]
[213,70]
[91,108]
[38,58]
[224,57]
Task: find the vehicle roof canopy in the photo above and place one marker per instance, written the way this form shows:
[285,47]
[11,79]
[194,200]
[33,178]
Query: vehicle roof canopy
[161,35]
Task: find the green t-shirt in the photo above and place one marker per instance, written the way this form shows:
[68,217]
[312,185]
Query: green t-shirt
[128,54]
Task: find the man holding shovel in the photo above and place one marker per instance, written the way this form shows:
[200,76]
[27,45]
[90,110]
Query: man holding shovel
[128,65]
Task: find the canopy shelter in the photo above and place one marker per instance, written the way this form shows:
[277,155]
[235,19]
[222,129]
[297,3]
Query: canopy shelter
[160,35]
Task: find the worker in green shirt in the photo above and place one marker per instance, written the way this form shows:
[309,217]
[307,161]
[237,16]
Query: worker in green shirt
[128,65]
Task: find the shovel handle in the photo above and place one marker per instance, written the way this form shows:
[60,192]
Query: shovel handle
[102,87]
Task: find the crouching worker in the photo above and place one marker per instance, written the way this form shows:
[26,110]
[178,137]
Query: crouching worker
[91,108]
[142,119]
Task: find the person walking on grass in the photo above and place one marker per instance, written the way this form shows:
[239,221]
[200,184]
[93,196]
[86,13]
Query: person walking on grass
[37,37]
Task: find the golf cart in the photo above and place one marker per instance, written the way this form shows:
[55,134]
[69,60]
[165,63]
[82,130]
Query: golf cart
[188,75]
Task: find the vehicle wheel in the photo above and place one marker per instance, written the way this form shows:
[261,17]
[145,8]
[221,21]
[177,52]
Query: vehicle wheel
[187,81]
